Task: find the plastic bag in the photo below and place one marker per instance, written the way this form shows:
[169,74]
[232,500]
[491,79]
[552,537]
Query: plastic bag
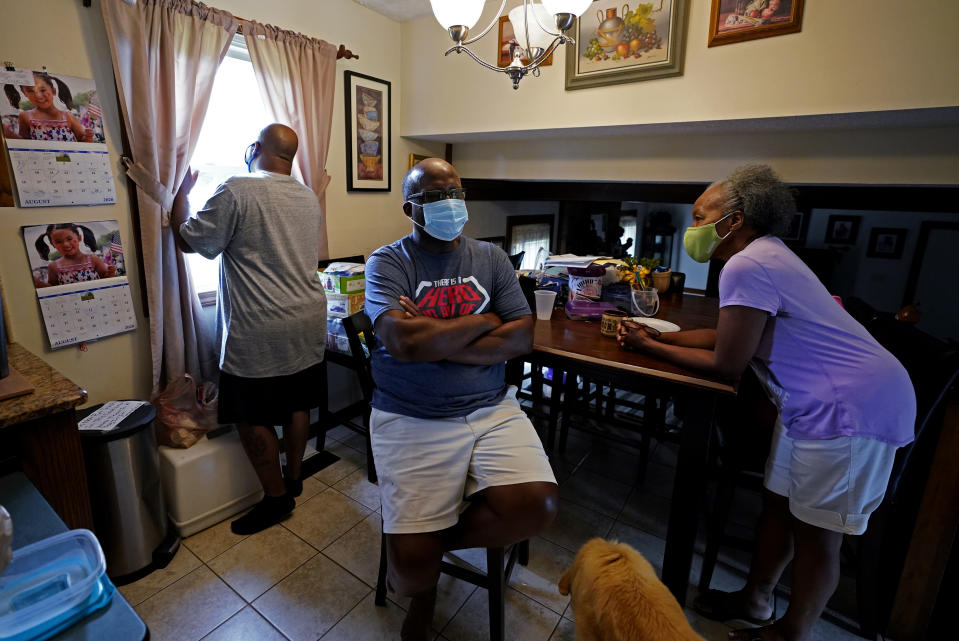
[183,415]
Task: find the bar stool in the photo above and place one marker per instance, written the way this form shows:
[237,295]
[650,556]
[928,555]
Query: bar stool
[499,566]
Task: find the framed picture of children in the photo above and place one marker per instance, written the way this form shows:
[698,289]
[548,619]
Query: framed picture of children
[67,253]
[739,20]
[42,106]
[368,131]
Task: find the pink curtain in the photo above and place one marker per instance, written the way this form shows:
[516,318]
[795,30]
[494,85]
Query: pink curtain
[296,76]
[165,56]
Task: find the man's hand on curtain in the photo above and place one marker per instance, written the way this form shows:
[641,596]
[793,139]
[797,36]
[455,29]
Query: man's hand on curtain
[181,209]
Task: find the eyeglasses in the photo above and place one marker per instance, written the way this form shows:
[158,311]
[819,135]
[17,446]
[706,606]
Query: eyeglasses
[435,195]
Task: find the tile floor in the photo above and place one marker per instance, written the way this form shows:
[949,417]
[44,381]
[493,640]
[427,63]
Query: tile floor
[312,577]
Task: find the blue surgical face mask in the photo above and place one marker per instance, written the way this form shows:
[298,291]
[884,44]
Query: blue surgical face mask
[251,153]
[444,219]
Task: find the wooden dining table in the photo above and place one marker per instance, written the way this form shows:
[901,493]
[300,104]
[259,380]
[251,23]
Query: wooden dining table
[577,347]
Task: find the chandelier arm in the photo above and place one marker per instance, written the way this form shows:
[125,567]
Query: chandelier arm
[488,27]
[527,8]
[541,26]
[461,49]
[534,64]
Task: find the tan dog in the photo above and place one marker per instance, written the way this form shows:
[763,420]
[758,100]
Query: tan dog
[616,596]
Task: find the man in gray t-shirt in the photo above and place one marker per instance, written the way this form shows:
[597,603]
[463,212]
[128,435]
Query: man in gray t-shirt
[271,310]
[458,461]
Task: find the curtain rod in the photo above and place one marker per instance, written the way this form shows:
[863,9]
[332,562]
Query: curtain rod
[341,53]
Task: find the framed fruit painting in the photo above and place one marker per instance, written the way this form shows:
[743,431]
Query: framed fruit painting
[739,20]
[617,43]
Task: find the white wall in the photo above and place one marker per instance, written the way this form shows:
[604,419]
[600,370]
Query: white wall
[72,42]
[851,56]
[70,39]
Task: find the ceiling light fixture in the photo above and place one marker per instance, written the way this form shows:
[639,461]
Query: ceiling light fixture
[529,21]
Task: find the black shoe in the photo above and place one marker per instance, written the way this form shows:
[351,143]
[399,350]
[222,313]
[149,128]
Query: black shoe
[294,487]
[270,511]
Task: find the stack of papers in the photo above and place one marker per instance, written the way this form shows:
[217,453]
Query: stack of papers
[109,416]
[570,260]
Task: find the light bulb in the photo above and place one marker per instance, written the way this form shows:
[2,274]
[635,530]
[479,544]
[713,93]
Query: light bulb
[576,7]
[454,13]
[537,37]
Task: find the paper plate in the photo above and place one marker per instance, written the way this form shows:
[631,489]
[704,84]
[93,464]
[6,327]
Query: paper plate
[656,323]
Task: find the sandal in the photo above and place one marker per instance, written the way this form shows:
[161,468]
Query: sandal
[715,605]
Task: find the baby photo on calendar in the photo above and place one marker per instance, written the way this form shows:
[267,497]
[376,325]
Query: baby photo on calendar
[68,253]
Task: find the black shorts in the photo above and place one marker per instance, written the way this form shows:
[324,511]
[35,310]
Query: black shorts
[271,400]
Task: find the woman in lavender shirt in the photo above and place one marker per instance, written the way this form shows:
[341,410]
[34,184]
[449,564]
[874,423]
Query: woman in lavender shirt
[845,403]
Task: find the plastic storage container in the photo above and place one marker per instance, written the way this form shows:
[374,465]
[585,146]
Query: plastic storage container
[206,483]
[587,309]
[50,582]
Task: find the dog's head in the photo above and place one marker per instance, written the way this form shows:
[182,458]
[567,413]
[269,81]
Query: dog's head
[595,553]
[616,594]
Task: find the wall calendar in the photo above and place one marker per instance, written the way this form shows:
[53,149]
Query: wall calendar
[53,127]
[79,272]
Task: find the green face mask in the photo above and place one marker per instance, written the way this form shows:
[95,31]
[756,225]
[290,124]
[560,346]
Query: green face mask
[700,242]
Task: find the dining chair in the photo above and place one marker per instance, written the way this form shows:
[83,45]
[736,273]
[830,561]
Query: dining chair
[640,412]
[359,334]
[499,566]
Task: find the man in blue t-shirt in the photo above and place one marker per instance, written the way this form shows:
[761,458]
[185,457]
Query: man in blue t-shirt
[459,463]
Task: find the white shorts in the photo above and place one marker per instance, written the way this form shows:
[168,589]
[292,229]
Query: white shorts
[831,483]
[427,468]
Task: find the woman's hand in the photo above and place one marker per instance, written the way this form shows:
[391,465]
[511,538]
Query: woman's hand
[111,271]
[638,338]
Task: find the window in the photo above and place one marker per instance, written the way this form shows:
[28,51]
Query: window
[530,234]
[628,223]
[233,120]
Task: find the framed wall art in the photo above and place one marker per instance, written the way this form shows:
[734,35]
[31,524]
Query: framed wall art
[886,242]
[796,232]
[627,43]
[367,132]
[739,20]
[508,40]
[415,158]
[842,230]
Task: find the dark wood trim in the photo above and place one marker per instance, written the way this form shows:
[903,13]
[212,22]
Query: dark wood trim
[932,538]
[6,186]
[448,153]
[920,252]
[924,198]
